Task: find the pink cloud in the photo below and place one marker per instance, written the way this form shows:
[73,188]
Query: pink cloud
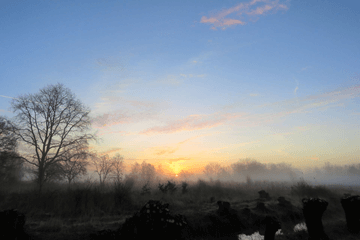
[191,123]
[251,8]
[208,20]
[228,22]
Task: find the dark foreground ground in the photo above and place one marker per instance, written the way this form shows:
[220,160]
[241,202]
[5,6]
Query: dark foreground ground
[91,212]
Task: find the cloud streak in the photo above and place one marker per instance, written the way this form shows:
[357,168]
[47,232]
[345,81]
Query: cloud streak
[239,14]
[179,159]
[132,111]
[110,151]
[191,123]
[169,150]
[118,117]
[7,97]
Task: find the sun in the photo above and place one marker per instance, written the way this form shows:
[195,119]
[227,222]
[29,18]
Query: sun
[176,175]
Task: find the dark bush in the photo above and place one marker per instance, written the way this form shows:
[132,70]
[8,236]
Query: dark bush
[169,187]
[184,187]
[146,190]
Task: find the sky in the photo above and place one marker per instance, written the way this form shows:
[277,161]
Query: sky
[186,83]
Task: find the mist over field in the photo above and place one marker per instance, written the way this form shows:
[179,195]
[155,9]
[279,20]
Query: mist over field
[247,171]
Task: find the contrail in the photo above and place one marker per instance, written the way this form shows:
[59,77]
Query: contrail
[7,97]
[13,98]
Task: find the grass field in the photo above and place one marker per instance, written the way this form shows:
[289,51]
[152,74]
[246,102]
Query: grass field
[78,211]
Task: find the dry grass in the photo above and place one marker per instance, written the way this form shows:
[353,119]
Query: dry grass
[62,212]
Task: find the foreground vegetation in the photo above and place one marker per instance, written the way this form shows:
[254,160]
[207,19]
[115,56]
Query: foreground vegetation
[78,211]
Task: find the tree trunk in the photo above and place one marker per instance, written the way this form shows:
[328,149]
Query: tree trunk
[41,175]
[313,209]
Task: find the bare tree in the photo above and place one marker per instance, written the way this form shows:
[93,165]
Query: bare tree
[52,123]
[148,172]
[212,170]
[144,172]
[103,166]
[118,168]
[10,161]
[135,170]
[75,164]
[7,139]
[185,174]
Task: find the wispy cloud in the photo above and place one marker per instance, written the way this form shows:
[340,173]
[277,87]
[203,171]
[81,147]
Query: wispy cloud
[192,75]
[110,151]
[170,80]
[295,90]
[169,150]
[191,123]
[111,64]
[314,158]
[296,130]
[298,105]
[120,117]
[179,159]
[238,14]
[107,112]
[178,79]
[7,97]
[305,68]
[246,143]
[107,132]
[165,150]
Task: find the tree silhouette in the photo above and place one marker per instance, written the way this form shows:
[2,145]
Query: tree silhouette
[103,166]
[51,123]
[118,168]
[10,161]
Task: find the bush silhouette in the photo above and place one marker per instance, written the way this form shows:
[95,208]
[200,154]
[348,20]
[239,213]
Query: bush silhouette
[184,187]
[169,187]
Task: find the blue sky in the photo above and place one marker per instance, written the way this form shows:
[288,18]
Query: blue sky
[184,83]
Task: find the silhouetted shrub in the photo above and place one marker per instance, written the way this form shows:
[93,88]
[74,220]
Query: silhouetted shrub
[122,194]
[184,187]
[145,190]
[154,221]
[169,187]
[303,189]
[12,224]
[264,195]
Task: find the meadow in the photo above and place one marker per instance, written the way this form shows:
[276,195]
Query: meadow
[81,210]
